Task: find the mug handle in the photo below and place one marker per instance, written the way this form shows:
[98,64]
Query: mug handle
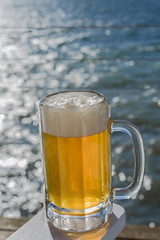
[131,190]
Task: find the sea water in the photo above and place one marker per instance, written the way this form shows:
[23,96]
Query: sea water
[108,46]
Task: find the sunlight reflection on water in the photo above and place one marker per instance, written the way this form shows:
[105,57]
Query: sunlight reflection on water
[38,61]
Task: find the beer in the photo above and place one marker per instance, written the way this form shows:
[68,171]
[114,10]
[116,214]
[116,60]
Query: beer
[76,150]
[77,170]
[75,131]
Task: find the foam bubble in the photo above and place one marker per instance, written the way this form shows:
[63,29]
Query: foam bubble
[74,114]
[73,99]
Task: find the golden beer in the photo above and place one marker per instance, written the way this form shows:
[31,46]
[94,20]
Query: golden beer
[77,170]
[76,159]
[76,143]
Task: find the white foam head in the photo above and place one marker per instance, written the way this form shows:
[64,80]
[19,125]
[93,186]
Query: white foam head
[74,114]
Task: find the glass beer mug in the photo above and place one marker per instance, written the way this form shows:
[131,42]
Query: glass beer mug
[76,144]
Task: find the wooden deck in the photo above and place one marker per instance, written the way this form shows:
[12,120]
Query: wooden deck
[130,232]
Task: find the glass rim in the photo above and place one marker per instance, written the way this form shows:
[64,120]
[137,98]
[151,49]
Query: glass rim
[42,100]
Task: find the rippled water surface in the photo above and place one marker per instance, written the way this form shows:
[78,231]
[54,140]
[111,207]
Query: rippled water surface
[47,46]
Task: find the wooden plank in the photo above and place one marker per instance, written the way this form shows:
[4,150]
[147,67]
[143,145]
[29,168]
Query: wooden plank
[140,232]
[130,232]
[5,234]
[9,225]
[12,224]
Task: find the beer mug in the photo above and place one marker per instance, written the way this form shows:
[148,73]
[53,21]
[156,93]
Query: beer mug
[76,130]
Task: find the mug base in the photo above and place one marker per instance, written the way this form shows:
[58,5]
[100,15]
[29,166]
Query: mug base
[78,223]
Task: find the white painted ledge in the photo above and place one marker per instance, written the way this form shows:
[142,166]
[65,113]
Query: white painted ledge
[38,229]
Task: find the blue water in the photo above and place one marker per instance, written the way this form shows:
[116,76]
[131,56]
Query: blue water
[109,46]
